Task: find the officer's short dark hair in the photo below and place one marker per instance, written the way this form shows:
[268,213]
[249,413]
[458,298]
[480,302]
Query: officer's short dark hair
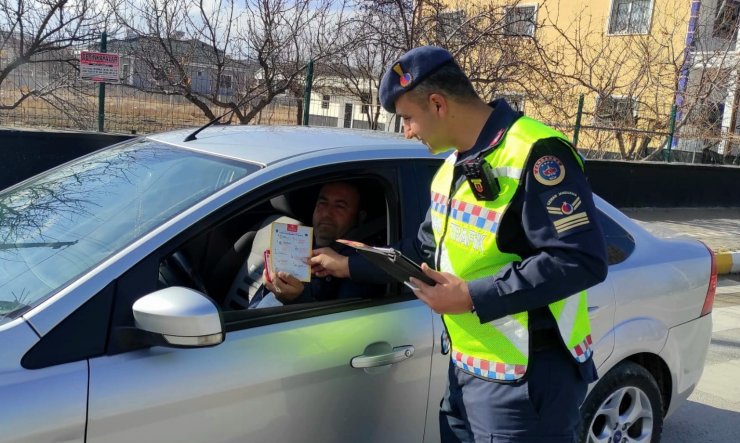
[450,81]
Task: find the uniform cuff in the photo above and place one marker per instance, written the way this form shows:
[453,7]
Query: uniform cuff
[362,271]
[487,302]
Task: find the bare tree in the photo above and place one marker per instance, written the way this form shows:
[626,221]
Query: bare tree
[38,33]
[381,30]
[629,79]
[226,56]
[368,49]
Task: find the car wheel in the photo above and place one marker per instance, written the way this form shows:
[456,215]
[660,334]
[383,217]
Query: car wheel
[624,406]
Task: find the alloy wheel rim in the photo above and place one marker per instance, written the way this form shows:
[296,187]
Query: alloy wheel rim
[626,416]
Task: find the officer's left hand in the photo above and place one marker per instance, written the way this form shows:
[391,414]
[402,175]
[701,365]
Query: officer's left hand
[449,296]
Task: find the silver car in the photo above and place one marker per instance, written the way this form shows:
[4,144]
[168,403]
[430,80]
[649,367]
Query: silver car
[121,320]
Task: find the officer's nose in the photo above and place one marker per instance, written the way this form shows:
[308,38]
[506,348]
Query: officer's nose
[407,133]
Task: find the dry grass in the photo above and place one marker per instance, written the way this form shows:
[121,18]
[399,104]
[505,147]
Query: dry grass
[126,111]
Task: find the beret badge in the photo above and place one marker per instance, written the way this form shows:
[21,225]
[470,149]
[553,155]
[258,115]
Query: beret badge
[403,77]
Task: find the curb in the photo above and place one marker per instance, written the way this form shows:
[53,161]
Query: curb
[727,262]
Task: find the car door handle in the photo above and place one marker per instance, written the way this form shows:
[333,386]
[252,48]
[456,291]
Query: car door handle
[593,308]
[398,354]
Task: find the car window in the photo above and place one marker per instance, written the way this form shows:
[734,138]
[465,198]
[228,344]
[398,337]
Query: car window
[619,242]
[226,261]
[62,223]
[216,247]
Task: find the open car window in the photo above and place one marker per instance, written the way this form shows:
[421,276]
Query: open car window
[226,260]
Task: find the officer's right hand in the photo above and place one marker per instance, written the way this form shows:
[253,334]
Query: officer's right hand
[285,287]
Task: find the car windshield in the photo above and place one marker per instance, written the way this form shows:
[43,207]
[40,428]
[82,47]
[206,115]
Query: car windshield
[64,222]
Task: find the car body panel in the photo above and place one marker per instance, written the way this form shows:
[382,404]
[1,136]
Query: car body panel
[264,381]
[685,351]
[46,405]
[601,310]
[289,381]
[269,144]
[44,317]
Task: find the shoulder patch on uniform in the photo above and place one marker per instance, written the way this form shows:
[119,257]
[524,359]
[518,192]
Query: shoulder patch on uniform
[565,210]
[549,170]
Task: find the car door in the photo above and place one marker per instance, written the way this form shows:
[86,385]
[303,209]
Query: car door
[278,376]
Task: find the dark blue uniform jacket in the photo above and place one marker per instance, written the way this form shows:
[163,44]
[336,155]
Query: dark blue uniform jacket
[557,259]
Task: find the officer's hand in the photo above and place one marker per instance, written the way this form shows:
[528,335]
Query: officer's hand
[449,296]
[285,287]
[326,261]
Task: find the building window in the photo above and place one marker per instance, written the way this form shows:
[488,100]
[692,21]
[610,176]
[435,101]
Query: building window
[615,111]
[226,81]
[450,26]
[726,19]
[348,115]
[325,99]
[708,116]
[366,101]
[630,16]
[520,21]
[125,73]
[200,73]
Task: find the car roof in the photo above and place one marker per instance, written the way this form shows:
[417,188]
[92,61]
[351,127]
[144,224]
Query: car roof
[269,144]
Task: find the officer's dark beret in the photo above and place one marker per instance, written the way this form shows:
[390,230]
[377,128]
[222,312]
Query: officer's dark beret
[408,71]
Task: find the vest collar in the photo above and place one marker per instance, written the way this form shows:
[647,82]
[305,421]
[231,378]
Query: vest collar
[500,120]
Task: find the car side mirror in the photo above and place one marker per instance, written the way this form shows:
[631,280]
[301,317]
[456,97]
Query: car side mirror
[179,317]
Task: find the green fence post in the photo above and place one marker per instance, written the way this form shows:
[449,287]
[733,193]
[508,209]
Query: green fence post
[671,131]
[577,128]
[101,91]
[307,93]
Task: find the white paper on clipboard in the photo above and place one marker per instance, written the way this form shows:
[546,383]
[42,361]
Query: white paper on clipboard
[290,248]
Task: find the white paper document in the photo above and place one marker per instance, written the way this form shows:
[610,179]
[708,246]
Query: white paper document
[290,248]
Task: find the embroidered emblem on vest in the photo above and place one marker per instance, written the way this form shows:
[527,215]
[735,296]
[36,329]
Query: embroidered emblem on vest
[570,202]
[549,170]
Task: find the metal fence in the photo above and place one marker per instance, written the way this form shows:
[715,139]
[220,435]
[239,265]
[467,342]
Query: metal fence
[75,106]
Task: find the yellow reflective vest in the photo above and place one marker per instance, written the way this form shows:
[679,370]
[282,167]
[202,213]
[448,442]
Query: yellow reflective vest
[465,231]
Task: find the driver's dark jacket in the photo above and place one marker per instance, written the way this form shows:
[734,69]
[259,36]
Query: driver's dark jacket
[551,268]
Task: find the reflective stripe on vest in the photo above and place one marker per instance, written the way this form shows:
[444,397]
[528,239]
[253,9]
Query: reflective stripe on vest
[465,231]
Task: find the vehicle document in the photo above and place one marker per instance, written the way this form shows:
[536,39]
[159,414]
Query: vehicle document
[290,248]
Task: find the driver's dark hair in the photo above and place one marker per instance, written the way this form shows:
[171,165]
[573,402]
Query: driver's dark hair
[448,80]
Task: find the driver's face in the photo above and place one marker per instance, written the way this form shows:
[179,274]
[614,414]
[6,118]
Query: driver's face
[335,213]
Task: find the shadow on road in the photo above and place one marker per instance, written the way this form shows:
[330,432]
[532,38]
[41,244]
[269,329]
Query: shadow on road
[696,422]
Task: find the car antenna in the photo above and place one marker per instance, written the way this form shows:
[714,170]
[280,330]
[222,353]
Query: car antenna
[192,135]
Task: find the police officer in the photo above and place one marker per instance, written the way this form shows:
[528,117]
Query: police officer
[515,236]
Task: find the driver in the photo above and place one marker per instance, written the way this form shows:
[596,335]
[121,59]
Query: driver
[337,211]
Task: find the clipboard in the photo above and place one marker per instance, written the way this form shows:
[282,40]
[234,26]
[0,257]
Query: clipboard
[392,262]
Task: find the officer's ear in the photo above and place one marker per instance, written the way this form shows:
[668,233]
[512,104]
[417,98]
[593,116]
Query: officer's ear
[438,102]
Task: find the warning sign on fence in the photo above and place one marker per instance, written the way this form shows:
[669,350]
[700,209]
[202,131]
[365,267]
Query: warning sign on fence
[100,67]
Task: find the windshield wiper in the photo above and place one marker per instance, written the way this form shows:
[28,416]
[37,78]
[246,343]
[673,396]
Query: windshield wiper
[52,245]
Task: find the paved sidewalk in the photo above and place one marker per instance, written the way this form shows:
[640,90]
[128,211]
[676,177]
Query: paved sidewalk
[719,228]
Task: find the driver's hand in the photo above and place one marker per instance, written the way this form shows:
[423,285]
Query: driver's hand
[285,287]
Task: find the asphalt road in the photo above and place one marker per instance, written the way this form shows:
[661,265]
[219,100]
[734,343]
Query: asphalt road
[712,413]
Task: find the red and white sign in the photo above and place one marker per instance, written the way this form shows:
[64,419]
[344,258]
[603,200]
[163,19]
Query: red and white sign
[100,67]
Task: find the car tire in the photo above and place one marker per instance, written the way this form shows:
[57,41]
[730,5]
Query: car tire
[625,405]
